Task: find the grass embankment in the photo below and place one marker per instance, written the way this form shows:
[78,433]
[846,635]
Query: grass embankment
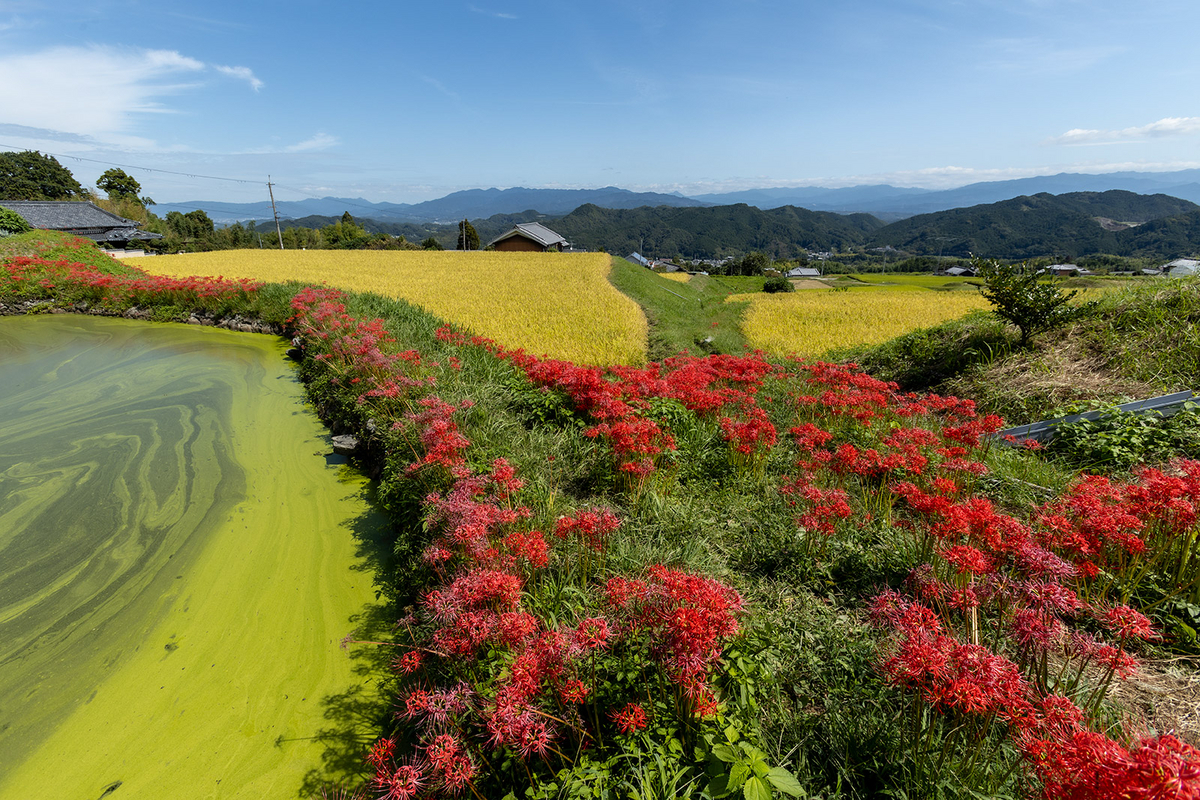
[687,312]
[1143,340]
[944,690]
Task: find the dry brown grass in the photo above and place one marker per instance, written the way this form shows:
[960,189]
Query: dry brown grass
[1060,372]
[1164,697]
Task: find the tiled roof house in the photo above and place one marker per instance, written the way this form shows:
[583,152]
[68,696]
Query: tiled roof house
[82,219]
[529,237]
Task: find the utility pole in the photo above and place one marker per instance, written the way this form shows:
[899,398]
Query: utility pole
[278,232]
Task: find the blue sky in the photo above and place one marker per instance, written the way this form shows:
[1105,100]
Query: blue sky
[407,101]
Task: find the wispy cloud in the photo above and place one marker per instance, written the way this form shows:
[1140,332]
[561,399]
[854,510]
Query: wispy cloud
[241,73]
[441,87]
[1163,128]
[489,13]
[108,87]
[320,141]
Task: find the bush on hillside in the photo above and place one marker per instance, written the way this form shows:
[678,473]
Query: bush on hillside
[778,284]
[1020,296]
[12,223]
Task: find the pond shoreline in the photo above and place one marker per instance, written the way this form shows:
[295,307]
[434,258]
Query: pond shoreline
[233,323]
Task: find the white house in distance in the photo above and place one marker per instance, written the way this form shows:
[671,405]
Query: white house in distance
[804,272]
[1181,267]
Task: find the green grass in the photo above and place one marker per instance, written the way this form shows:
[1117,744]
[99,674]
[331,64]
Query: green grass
[1142,340]
[55,246]
[690,316]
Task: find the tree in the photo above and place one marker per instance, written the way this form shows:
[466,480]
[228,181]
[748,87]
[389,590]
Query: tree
[33,176]
[468,238]
[118,185]
[1020,296]
[432,244]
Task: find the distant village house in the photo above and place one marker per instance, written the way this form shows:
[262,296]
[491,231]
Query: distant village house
[529,237]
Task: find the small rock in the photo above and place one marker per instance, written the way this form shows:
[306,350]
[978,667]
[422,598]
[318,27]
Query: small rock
[345,444]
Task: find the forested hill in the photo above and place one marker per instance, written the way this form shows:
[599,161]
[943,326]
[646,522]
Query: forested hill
[785,232]
[1042,225]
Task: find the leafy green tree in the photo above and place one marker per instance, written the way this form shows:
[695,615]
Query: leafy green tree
[32,176]
[1019,295]
[345,234]
[468,238]
[431,244]
[751,264]
[118,185]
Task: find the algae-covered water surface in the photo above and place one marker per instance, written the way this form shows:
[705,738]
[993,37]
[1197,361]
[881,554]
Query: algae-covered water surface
[179,560]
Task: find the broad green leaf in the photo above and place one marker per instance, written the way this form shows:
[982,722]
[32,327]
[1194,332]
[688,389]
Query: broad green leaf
[757,789]
[785,782]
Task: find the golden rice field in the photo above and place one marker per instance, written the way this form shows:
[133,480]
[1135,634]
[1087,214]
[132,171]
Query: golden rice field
[682,277]
[812,323]
[558,304]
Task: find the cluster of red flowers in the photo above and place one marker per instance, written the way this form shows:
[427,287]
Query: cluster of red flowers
[360,353]
[1028,578]
[621,401]
[24,276]
[486,675]
[979,687]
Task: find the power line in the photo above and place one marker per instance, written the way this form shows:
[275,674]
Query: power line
[304,192]
[147,169]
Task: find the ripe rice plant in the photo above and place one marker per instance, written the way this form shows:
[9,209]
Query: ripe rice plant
[812,323]
[544,303]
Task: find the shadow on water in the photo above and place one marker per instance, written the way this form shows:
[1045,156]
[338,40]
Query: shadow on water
[355,717]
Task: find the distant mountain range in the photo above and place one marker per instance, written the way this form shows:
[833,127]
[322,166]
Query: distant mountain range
[1062,227]
[468,204]
[889,203]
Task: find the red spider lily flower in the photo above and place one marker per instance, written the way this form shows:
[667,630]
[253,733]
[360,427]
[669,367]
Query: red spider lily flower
[403,784]
[408,663]
[967,559]
[630,718]
[592,633]
[1126,622]
[382,753]
[574,692]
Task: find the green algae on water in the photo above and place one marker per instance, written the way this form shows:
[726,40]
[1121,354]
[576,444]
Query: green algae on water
[177,564]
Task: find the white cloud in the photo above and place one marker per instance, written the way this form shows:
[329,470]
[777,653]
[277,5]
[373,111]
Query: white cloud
[1163,128]
[96,90]
[241,73]
[489,13]
[321,141]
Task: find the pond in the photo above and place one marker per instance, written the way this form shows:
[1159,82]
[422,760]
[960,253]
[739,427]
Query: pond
[180,558]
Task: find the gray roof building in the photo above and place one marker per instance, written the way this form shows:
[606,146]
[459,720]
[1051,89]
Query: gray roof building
[82,219]
[529,236]
[1182,266]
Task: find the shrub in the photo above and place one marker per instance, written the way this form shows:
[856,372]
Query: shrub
[778,284]
[11,223]
[1019,296]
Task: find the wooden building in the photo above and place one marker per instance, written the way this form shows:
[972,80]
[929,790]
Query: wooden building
[529,237]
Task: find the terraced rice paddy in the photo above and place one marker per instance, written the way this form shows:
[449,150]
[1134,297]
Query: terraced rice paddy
[178,562]
[810,323]
[558,304]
